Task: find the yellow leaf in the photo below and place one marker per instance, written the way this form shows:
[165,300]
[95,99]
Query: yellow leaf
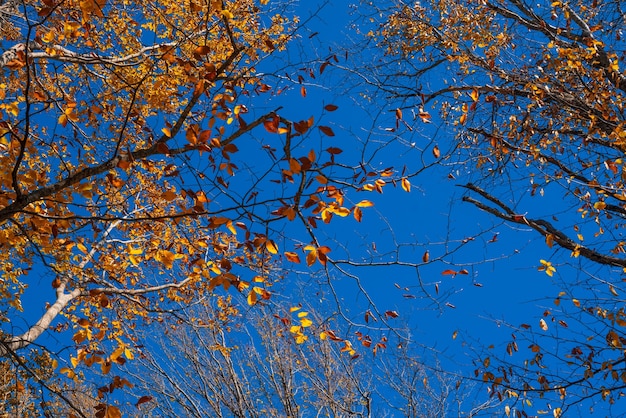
[49,37]
[134,251]
[599,205]
[271,247]
[294,308]
[302,314]
[306,322]
[81,247]
[406,185]
[364,204]
[252,298]
[134,260]
[129,354]
[227,14]
[343,212]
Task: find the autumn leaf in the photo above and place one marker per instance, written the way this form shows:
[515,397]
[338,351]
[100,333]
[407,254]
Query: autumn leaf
[406,185]
[326,130]
[293,257]
[547,267]
[271,247]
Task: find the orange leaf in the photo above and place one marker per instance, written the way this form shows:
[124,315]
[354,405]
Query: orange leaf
[424,116]
[426,257]
[406,185]
[449,272]
[474,95]
[436,152]
[293,257]
[331,107]
[311,257]
[391,314]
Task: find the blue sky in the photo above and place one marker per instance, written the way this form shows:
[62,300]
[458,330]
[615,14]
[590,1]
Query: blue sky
[512,291]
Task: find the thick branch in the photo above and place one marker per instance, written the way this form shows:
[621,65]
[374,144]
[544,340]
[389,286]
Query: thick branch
[44,322]
[545,228]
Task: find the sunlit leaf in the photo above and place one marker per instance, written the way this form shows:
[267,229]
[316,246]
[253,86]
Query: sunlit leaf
[293,257]
[406,185]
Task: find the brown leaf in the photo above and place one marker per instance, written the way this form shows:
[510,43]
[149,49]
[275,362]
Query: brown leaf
[326,130]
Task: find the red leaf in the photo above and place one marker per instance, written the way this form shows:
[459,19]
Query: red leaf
[331,107]
[334,150]
[448,273]
[143,399]
[326,130]
[391,314]
[271,125]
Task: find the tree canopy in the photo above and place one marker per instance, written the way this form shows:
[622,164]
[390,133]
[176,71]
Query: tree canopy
[184,170]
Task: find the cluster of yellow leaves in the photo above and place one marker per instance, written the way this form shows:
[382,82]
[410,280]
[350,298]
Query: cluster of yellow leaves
[547,267]
[298,329]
